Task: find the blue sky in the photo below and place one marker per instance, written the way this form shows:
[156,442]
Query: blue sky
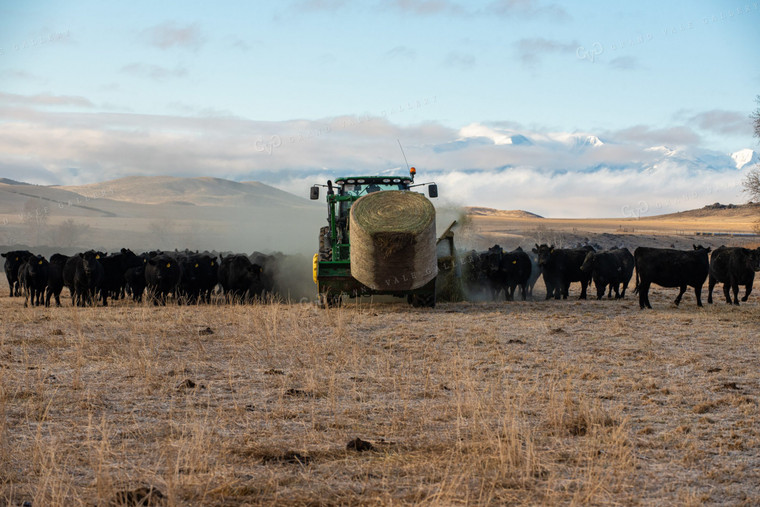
[288,91]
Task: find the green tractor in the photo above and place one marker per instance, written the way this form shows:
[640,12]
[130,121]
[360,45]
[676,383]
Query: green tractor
[332,265]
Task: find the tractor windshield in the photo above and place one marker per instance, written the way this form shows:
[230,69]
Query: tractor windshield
[359,189]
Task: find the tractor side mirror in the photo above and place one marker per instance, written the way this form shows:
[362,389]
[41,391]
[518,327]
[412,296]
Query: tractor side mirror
[314,193]
[433,190]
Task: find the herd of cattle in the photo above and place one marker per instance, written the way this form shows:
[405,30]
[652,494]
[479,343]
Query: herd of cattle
[192,277]
[496,270]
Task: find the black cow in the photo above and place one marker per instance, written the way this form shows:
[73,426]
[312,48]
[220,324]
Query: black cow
[55,278]
[240,278]
[33,277]
[516,268]
[129,260]
[670,268]
[162,274]
[535,271]
[112,285]
[208,277]
[83,275]
[505,271]
[473,274]
[134,277]
[562,266]
[199,275]
[492,276]
[13,261]
[733,266]
[189,285]
[611,268]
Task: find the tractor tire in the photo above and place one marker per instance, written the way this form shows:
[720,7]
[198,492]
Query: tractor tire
[426,300]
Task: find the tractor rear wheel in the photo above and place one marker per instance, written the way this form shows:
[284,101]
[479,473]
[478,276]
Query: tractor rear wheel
[425,300]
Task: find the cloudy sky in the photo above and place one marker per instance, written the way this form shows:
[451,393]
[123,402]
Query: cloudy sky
[564,109]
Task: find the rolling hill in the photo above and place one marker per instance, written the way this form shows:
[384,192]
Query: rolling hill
[160,190]
[491,212]
[160,212]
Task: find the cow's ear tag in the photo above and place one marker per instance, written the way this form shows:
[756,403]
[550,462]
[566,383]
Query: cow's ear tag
[97,257]
[212,263]
[196,264]
[40,263]
[168,264]
[514,262]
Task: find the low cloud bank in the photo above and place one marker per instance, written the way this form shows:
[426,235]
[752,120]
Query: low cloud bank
[636,171]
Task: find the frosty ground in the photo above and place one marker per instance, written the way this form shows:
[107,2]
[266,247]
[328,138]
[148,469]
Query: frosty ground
[484,403]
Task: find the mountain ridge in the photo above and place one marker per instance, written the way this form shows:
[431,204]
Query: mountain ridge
[203,190]
[144,212]
[483,211]
[579,143]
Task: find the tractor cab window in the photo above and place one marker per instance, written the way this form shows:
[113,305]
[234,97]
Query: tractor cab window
[364,188]
[349,189]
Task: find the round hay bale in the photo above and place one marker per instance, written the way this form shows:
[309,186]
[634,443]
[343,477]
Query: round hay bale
[393,240]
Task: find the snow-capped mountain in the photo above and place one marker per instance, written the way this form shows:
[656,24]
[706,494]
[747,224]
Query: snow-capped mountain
[477,134]
[699,159]
[665,150]
[578,140]
[477,131]
[583,151]
[585,174]
[746,157]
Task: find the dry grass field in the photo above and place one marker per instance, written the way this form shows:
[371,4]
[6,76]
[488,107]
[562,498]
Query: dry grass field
[524,403]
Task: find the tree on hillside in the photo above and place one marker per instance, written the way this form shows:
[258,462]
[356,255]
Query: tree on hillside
[35,216]
[756,118]
[752,183]
[69,233]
